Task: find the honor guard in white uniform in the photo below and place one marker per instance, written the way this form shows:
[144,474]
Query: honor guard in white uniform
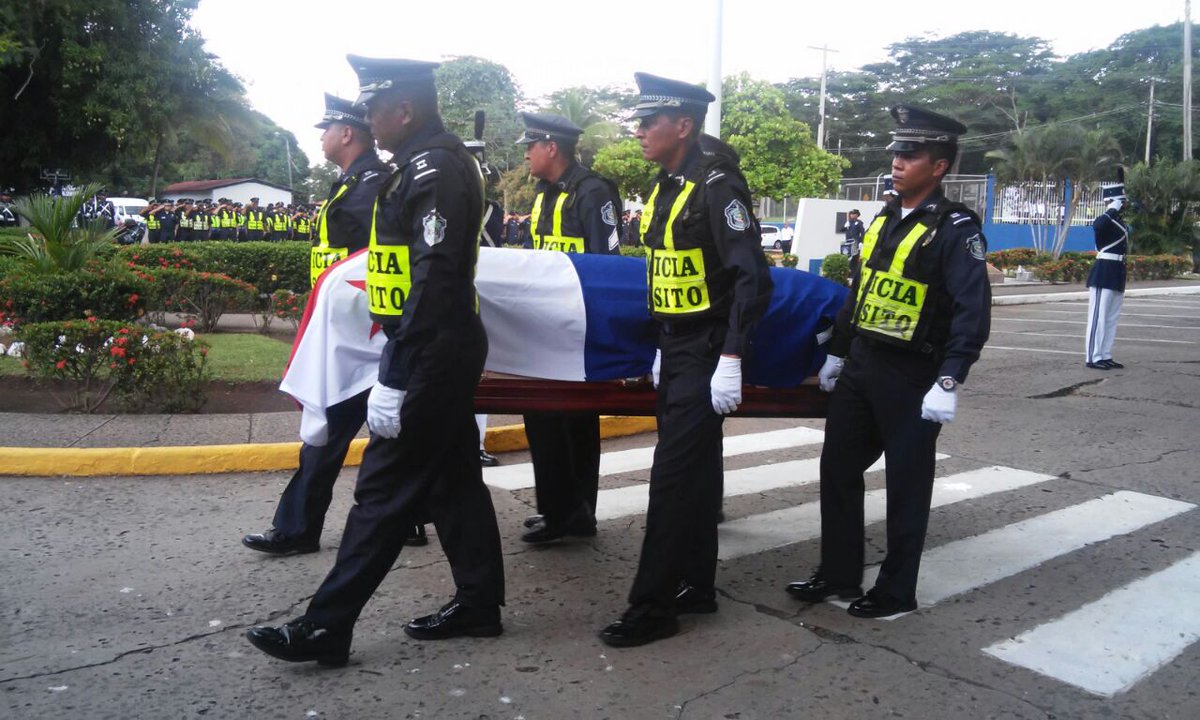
[1106,281]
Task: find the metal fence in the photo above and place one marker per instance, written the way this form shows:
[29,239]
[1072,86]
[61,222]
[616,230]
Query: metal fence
[970,190]
[1045,203]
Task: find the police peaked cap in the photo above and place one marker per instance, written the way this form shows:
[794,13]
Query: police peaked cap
[1112,192]
[915,127]
[342,111]
[659,94]
[378,74]
[544,126]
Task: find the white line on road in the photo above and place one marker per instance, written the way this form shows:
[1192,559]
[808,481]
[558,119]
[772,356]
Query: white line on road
[1107,646]
[1038,350]
[766,531]
[633,499]
[1081,322]
[1083,311]
[518,477]
[973,562]
[1124,339]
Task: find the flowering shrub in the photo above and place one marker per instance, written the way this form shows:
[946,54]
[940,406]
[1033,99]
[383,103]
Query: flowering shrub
[269,266]
[99,290]
[1014,257]
[280,305]
[1074,267]
[201,297]
[789,260]
[93,358]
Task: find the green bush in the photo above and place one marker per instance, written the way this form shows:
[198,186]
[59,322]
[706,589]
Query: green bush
[836,267]
[102,291]
[1014,257]
[268,266]
[280,305]
[633,251]
[789,260]
[93,358]
[1074,267]
[201,297]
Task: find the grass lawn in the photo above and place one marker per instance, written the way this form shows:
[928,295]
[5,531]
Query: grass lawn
[234,357]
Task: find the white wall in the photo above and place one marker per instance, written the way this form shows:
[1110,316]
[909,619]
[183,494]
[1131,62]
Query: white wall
[818,228]
[241,192]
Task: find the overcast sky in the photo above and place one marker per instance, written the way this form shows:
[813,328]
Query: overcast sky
[289,52]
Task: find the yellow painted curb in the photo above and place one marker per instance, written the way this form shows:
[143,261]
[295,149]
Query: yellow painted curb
[208,459]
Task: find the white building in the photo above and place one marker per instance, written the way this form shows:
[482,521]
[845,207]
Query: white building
[820,228]
[236,189]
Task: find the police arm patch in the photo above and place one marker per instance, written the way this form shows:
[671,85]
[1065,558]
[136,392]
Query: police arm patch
[609,214]
[975,246]
[736,216]
[435,228]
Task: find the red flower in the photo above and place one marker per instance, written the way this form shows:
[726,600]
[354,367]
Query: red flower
[60,364]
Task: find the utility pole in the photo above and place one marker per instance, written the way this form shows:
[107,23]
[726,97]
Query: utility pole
[1149,122]
[825,50]
[1187,79]
[712,121]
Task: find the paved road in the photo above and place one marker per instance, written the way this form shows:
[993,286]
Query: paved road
[1060,580]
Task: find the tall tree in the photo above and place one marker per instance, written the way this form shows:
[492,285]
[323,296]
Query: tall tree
[467,84]
[1166,196]
[622,162]
[779,157]
[592,110]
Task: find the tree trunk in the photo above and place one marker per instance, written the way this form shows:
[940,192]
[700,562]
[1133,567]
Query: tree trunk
[157,164]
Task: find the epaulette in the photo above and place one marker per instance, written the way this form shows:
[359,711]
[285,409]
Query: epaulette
[960,218]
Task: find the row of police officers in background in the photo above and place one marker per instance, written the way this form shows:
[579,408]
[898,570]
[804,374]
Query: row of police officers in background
[912,325]
[188,220]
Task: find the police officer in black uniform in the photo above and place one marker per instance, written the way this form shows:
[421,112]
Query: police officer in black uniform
[575,210]
[917,316]
[421,457]
[1106,280]
[256,221]
[709,285]
[344,228]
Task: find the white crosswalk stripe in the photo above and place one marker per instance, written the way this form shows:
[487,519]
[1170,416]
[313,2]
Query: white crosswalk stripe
[973,562]
[1103,647]
[1084,648]
[519,477]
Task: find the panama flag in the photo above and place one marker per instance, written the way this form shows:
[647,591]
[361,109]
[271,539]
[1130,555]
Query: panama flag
[548,315]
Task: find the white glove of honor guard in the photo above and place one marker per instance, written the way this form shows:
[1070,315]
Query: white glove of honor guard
[939,405]
[656,369]
[830,371]
[383,410]
[726,385]
[1116,204]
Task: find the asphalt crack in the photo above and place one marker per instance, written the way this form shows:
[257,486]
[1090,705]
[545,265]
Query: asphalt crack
[1066,391]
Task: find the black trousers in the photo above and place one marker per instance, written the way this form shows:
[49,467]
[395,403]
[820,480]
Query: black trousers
[687,476]
[876,410]
[302,507]
[432,467]
[565,449]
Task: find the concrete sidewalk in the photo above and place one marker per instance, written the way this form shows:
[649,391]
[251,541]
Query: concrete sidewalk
[89,445]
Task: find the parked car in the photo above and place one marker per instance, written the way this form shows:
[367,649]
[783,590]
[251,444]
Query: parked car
[770,237]
[126,208]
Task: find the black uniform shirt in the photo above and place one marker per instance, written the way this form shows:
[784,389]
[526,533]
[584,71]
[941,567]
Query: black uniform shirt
[593,214]
[954,266]
[434,202]
[349,219]
[742,284]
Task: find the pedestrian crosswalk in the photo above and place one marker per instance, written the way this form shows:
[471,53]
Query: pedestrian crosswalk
[1083,648]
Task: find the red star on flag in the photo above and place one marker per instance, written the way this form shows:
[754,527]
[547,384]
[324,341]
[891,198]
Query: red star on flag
[362,285]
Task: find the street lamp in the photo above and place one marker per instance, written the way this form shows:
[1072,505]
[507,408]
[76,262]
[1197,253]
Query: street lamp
[287,145]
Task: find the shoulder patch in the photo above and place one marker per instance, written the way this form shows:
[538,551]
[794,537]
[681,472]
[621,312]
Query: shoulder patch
[435,227]
[976,246]
[609,214]
[736,216]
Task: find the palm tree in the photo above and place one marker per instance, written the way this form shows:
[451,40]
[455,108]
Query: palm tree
[57,243]
[1056,154]
[584,107]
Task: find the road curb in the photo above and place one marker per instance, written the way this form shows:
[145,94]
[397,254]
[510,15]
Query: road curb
[1083,295]
[213,459]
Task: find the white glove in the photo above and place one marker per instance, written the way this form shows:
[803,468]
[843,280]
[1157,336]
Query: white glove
[830,371]
[656,368]
[1116,204]
[314,429]
[938,405]
[726,385]
[383,410]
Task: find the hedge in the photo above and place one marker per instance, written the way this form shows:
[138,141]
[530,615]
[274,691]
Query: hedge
[268,266]
[104,291]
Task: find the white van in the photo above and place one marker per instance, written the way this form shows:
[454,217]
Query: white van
[125,208]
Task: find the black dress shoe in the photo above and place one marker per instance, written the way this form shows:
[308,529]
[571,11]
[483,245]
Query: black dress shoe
[276,543]
[1098,365]
[417,537]
[816,589]
[533,521]
[640,625]
[456,620]
[878,605]
[694,601]
[1113,364]
[302,641]
[486,459]
[543,531]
